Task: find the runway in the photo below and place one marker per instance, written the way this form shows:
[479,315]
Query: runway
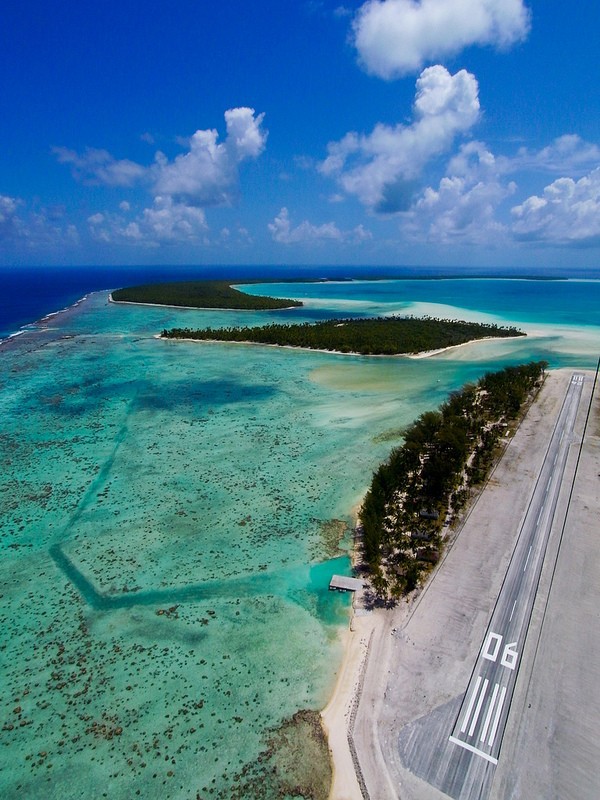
[463,687]
[475,739]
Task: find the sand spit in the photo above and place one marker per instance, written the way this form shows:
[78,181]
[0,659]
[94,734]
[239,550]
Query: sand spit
[404,662]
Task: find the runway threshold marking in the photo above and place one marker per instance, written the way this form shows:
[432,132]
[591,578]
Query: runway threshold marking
[463,727]
[497,716]
[472,749]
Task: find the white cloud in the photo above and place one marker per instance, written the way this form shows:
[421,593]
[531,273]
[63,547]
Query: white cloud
[568,212]
[168,221]
[99,167]
[380,168]
[10,223]
[33,230]
[474,161]
[466,205]
[282,231]
[396,37]
[165,222]
[458,209]
[96,219]
[568,153]
[207,175]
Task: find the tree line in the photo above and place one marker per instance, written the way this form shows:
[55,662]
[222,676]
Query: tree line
[366,336]
[425,482]
[199,294]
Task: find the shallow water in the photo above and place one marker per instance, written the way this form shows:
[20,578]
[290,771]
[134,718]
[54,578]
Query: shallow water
[168,526]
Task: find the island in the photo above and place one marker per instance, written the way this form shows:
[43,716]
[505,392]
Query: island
[388,336]
[199,294]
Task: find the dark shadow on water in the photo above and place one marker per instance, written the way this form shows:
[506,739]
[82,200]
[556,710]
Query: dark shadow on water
[282,583]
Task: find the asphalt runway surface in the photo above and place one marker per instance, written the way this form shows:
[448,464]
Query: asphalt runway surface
[466,767]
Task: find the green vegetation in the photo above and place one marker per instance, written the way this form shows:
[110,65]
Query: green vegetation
[373,336]
[199,294]
[425,482]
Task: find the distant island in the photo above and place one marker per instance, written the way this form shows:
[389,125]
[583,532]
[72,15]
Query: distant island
[199,294]
[364,336]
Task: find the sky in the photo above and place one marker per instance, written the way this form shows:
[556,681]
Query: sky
[383,133]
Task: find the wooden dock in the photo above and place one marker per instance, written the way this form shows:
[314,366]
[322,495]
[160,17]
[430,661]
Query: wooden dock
[339,583]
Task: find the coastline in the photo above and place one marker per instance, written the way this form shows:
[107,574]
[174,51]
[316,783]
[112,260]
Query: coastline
[192,308]
[418,355]
[367,641]
[42,322]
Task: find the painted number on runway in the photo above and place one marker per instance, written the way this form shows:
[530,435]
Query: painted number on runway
[492,647]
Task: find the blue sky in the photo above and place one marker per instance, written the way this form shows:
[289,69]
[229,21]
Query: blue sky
[390,132]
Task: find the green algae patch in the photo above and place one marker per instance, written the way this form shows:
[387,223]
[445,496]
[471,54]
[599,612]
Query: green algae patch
[199,294]
[296,764]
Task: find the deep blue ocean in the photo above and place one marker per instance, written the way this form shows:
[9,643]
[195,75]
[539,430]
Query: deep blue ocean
[29,293]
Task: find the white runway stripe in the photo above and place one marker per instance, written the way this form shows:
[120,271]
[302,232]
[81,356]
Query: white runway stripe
[497,717]
[490,711]
[463,727]
[478,707]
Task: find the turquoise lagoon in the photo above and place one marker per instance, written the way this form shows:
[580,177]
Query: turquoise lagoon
[171,514]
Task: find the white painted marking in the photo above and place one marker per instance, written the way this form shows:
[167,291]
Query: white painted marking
[547,487]
[494,638]
[472,749]
[490,711]
[497,716]
[528,554]
[510,656]
[478,707]
[513,611]
[463,727]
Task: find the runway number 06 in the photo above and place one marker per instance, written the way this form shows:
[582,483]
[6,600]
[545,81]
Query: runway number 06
[491,649]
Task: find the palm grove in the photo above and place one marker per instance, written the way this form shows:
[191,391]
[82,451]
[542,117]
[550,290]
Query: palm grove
[425,482]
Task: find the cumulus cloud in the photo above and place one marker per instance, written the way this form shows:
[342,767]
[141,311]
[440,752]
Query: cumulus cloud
[207,175]
[381,168]
[568,153]
[98,167]
[165,222]
[33,230]
[283,232]
[568,212]
[168,221]
[458,209]
[467,203]
[396,37]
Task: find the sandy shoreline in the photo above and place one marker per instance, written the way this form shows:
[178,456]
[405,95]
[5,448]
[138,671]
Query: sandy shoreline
[422,354]
[192,308]
[367,641]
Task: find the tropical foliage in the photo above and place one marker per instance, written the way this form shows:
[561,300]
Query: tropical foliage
[371,336]
[199,294]
[419,491]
